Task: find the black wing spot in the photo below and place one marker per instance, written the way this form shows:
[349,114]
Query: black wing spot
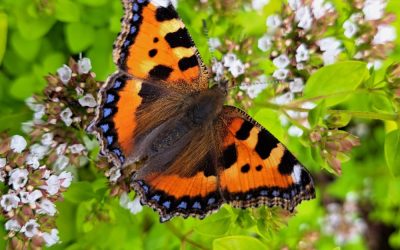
[259,168]
[287,163]
[153,52]
[155,40]
[265,144]
[149,93]
[245,168]
[161,72]
[179,38]
[165,14]
[244,132]
[229,156]
[188,62]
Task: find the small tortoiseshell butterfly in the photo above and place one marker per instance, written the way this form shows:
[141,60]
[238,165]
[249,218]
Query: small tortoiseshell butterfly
[194,153]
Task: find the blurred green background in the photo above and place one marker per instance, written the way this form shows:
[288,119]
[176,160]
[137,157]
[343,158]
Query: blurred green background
[38,36]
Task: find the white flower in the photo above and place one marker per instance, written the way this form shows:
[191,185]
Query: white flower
[61,162]
[84,65]
[65,179]
[331,48]
[47,139]
[18,178]
[12,225]
[65,74]
[385,34]
[52,185]
[259,4]
[32,161]
[304,18]
[281,61]
[60,150]
[27,127]
[51,238]
[295,131]
[350,29]
[214,43]
[66,116]
[18,143]
[30,229]
[281,74]
[319,9]
[237,68]
[77,148]
[308,105]
[330,56]
[114,173]
[218,69]
[265,43]
[39,113]
[254,90]
[374,9]
[300,66]
[3,162]
[39,150]
[329,43]
[134,206]
[30,198]
[377,64]
[273,22]
[9,201]
[229,59]
[297,85]
[295,4]
[88,101]
[284,99]
[302,53]
[46,207]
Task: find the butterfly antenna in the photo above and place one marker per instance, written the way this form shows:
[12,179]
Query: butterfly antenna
[206,34]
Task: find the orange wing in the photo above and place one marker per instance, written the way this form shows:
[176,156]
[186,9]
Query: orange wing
[154,43]
[173,194]
[257,169]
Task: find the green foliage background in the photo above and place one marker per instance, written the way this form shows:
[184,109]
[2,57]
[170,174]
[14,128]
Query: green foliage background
[37,37]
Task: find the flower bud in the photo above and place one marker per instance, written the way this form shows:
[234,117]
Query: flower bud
[393,75]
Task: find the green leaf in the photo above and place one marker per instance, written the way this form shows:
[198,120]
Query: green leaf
[333,81]
[79,36]
[79,192]
[33,27]
[381,103]
[215,225]
[237,243]
[67,11]
[3,34]
[26,49]
[23,86]
[93,2]
[316,114]
[392,152]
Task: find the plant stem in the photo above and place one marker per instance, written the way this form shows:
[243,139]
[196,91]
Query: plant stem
[368,115]
[183,237]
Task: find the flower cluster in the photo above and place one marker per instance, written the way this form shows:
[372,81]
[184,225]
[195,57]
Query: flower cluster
[370,29]
[297,43]
[334,145]
[33,187]
[36,171]
[343,221]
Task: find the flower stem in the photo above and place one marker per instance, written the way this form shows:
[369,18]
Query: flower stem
[183,237]
[368,115]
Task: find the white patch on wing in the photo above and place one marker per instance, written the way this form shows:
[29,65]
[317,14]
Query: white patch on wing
[163,3]
[296,175]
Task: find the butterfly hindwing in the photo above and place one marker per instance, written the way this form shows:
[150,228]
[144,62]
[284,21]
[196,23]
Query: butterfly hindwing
[154,43]
[257,169]
[175,194]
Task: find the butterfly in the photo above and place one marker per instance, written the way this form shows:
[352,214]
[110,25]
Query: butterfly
[192,153]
